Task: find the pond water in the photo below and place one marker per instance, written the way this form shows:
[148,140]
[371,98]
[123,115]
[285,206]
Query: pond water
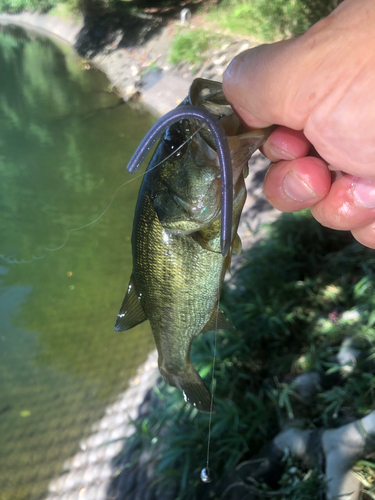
[64,144]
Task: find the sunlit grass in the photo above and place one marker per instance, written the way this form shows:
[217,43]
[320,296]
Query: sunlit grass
[269,21]
[190,46]
[33,5]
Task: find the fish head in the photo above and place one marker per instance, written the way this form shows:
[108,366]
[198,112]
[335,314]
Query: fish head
[186,184]
[186,192]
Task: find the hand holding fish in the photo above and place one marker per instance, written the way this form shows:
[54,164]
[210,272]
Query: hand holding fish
[320,89]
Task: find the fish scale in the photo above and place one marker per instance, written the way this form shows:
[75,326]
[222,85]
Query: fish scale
[167,270]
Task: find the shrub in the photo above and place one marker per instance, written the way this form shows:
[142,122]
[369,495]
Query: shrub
[189,46]
[14,6]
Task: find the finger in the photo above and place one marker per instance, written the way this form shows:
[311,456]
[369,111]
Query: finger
[251,88]
[294,185]
[283,83]
[286,144]
[365,235]
[349,205]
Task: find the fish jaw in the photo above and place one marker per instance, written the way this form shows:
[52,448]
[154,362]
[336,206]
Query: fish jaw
[192,386]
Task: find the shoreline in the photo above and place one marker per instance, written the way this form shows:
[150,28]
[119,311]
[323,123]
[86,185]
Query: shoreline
[123,67]
[51,26]
[140,71]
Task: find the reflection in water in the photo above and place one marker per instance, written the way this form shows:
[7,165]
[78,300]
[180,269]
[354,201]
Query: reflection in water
[64,144]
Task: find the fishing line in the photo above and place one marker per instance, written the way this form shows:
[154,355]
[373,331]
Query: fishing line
[206,475]
[15,261]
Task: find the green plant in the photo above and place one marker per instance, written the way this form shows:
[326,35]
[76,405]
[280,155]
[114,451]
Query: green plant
[191,45]
[20,5]
[270,20]
[365,472]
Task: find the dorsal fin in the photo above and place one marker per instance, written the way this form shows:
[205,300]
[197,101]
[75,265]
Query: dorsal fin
[218,321]
[131,313]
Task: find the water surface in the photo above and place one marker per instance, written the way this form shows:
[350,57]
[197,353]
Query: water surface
[64,144]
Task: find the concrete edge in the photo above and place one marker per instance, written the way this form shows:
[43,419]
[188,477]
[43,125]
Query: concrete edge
[46,24]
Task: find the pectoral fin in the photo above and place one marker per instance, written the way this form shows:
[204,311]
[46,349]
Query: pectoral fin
[236,245]
[218,321]
[131,313]
[206,242]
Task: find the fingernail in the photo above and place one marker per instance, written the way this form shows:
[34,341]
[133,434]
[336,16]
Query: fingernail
[364,192]
[296,188]
[234,66]
[280,153]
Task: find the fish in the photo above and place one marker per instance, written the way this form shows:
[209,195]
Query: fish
[180,255]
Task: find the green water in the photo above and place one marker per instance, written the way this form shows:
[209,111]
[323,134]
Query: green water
[65,140]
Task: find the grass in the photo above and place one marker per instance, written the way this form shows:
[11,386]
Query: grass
[259,20]
[269,21]
[14,6]
[191,46]
[67,11]
[301,292]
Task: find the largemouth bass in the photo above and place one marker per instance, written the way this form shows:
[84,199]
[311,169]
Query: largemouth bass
[178,263]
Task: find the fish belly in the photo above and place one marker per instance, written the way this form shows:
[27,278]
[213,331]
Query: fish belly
[178,283]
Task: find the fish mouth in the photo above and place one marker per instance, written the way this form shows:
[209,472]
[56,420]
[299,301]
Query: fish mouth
[242,142]
[200,141]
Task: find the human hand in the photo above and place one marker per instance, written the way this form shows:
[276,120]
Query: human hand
[320,89]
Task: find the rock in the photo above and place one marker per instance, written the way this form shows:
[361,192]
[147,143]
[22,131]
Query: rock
[217,60]
[134,70]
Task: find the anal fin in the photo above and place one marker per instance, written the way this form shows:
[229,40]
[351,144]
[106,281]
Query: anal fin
[131,313]
[218,321]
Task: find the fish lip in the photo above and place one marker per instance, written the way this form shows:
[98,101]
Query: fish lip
[204,146]
[232,128]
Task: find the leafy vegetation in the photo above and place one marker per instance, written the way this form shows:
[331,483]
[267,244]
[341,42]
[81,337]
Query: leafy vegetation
[302,291]
[189,46]
[270,21]
[19,5]
[256,19]
[87,5]
[260,19]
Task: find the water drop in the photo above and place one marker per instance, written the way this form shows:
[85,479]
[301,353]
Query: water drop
[206,475]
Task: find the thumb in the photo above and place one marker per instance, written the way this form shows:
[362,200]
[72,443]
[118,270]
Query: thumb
[322,82]
[283,83]
[257,84]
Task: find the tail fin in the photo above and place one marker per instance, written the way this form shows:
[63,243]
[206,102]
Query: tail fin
[192,386]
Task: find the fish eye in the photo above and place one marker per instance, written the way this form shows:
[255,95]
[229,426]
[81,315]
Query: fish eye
[173,140]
